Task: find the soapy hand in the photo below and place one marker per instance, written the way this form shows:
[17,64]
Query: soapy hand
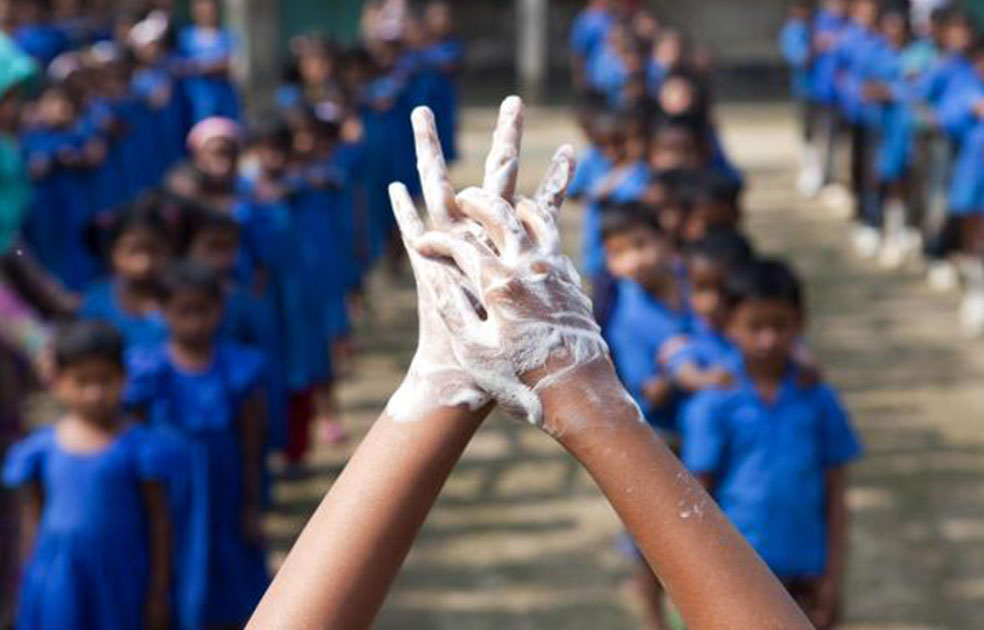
[510,303]
[438,375]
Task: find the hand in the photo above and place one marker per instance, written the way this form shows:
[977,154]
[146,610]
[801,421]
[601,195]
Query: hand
[670,348]
[720,377]
[157,612]
[511,304]
[979,109]
[658,391]
[438,375]
[826,609]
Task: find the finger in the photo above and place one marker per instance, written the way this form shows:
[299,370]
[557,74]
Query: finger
[540,225]
[452,293]
[469,258]
[502,164]
[499,219]
[553,189]
[437,188]
[411,226]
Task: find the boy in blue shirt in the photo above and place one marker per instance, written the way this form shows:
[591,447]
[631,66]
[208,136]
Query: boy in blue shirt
[648,308]
[796,47]
[774,453]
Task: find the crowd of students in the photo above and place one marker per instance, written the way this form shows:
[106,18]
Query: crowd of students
[184,284]
[903,87]
[707,335]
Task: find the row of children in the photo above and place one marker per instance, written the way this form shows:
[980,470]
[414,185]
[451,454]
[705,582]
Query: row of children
[706,335]
[909,94]
[215,298]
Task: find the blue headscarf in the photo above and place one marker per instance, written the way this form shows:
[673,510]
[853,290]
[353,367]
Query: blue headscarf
[16,68]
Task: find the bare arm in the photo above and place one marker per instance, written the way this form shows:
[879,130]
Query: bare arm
[340,569]
[829,588]
[680,530]
[159,538]
[252,427]
[32,502]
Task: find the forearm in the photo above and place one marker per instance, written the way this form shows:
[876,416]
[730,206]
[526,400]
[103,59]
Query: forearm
[712,575]
[837,522]
[339,570]
[159,536]
[253,429]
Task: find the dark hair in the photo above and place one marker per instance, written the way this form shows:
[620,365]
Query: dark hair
[88,339]
[723,246]
[186,275]
[767,279]
[152,212]
[619,218]
[273,129]
[715,185]
[197,218]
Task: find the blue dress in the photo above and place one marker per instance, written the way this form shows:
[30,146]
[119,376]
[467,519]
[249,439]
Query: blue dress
[44,42]
[89,568]
[220,576]
[589,32]
[208,95]
[377,106]
[102,303]
[794,42]
[443,60]
[62,207]
[822,75]
[168,127]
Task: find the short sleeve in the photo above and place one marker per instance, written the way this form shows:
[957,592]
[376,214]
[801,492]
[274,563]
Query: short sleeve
[143,377]
[24,462]
[246,369]
[159,455]
[687,354]
[840,444]
[704,432]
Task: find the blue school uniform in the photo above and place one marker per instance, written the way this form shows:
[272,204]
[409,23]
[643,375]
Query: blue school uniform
[208,95]
[855,50]
[61,209]
[942,79]
[637,326]
[966,193]
[101,302]
[44,42]
[168,128]
[589,32]
[607,74]
[822,73]
[376,107]
[444,58]
[894,120]
[90,564]
[220,576]
[591,166]
[769,460]
[794,42]
[631,181]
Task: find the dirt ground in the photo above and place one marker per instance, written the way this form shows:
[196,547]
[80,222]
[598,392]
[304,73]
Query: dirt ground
[521,538]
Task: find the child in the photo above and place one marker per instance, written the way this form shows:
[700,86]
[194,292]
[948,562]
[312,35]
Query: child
[58,155]
[795,45]
[137,246]
[209,392]
[588,35]
[98,528]
[207,51]
[35,34]
[624,182]
[772,453]
[444,54]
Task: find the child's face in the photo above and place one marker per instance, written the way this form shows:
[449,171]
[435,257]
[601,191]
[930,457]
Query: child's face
[674,149]
[837,7]
[316,67]
[91,388]
[669,50]
[765,331]
[437,20]
[799,12]
[205,13]
[706,279]
[56,109]
[677,96]
[217,248]
[639,254]
[193,317]
[271,157]
[218,159]
[139,255]
[865,12]
[893,29]
[706,215]
[958,36]
[612,147]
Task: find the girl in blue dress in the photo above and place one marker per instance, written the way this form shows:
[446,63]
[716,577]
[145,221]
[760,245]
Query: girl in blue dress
[95,506]
[206,50]
[59,157]
[138,247]
[445,56]
[209,392]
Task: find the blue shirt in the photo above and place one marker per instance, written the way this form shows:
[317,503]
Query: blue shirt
[619,185]
[769,462]
[636,329]
[794,43]
[102,303]
[592,165]
[589,31]
[822,77]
